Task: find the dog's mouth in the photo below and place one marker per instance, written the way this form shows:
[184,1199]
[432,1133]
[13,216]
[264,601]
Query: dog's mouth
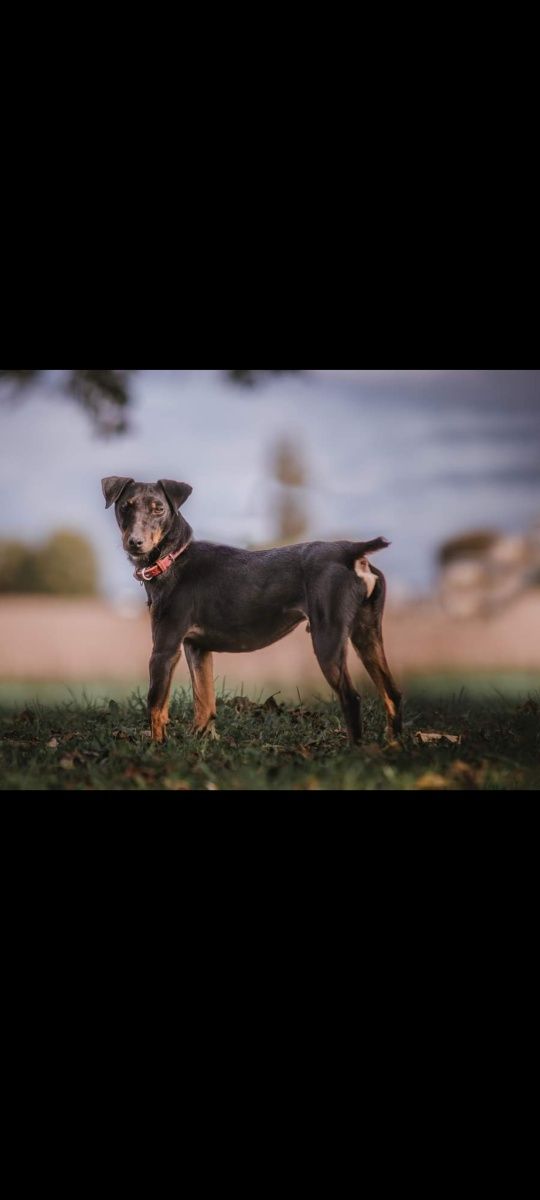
[142,558]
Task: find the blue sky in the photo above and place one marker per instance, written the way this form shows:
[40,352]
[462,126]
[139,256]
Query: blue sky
[413,455]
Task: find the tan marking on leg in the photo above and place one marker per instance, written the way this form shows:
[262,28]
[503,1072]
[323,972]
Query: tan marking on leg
[159,719]
[201,667]
[159,716]
[369,646]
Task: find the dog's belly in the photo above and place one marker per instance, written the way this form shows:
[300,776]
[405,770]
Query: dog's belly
[239,640]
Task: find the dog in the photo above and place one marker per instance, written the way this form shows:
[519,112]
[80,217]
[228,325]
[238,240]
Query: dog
[206,598]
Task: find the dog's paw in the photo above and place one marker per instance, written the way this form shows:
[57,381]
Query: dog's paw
[392,742]
[205,731]
[155,738]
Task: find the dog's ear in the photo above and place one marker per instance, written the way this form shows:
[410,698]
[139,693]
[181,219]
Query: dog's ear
[113,487]
[176,493]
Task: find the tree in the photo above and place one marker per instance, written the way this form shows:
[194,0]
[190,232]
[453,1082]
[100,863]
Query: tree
[65,565]
[104,395]
[472,544]
[289,469]
[249,378]
[17,568]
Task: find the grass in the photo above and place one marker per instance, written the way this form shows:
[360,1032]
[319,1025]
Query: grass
[478,684]
[86,743]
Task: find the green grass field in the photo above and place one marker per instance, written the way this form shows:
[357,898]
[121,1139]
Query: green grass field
[95,742]
[479,684]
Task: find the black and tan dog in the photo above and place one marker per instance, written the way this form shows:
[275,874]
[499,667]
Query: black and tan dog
[206,597]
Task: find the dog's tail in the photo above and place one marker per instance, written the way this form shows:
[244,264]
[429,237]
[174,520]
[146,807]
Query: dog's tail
[362,548]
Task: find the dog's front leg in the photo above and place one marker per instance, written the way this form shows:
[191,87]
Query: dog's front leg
[162,663]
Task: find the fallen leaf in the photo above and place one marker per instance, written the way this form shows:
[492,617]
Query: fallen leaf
[431,782]
[372,750]
[26,715]
[242,704]
[140,774]
[467,774]
[69,761]
[426,738]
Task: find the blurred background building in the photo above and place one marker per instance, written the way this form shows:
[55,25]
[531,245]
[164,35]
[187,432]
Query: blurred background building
[446,464]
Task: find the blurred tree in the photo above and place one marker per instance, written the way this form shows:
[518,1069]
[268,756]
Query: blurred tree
[104,395]
[17,567]
[471,544]
[64,566]
[67,565]
[288,468]
[249,378]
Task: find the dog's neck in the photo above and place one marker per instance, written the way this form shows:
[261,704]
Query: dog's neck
[178,535]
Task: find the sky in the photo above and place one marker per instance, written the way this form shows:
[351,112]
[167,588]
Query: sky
[415,456]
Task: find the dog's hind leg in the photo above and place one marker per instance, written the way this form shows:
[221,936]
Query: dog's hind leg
[367,640]
[330,617]
[201,669]
[330,648]
[332,607]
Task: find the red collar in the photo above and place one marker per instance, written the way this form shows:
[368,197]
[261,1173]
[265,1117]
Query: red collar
[144,574]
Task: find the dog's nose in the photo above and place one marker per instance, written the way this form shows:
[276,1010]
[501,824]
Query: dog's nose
[135,543]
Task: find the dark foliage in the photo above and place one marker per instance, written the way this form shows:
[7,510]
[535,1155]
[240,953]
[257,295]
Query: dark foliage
[104,395]
[64,565]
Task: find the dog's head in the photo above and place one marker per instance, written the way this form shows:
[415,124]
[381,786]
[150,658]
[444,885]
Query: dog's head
[145,512]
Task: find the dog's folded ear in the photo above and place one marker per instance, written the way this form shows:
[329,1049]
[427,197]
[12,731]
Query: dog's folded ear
[176,493]
[113,487]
